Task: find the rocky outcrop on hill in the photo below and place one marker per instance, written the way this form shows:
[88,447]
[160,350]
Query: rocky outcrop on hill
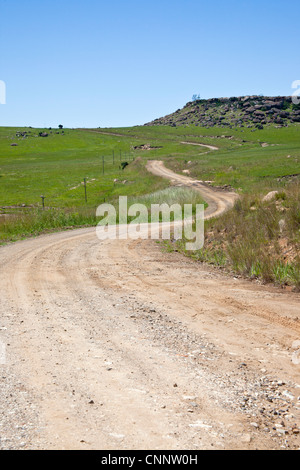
[247,111]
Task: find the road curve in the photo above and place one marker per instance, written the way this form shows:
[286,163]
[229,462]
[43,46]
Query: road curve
[118,345]
[210,147]
[218,201]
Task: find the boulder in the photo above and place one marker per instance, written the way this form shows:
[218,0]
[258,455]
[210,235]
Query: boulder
[270,196]
[282,225]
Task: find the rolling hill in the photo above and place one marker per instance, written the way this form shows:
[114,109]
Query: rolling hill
[247,111]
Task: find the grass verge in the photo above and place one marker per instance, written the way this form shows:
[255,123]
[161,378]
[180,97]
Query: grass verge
[258,239]
[38,221]
[35,222]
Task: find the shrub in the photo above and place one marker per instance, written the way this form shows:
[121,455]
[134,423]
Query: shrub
[124,165]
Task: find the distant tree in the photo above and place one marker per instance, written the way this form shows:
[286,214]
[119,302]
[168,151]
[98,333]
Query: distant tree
[60,126]
[196,97]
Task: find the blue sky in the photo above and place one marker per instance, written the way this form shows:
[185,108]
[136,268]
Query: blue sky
[90,63]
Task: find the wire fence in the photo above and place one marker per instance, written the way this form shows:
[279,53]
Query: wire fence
[119,159]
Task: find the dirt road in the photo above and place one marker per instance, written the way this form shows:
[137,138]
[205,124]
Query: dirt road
[218,201]
[116,345]
[210,147]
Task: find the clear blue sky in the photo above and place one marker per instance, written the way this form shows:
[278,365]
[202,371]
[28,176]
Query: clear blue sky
[125,62]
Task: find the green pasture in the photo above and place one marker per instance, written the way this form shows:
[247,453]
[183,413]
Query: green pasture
[57,165]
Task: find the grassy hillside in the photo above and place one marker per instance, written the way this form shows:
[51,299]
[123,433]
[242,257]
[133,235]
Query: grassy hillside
[55,166]
[257,239]
[250,161]
[246,111]
[260,240]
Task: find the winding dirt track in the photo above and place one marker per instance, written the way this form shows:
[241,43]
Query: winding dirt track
[116,345]
[218,201]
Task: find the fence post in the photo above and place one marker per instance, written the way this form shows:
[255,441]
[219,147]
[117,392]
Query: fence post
[85,192]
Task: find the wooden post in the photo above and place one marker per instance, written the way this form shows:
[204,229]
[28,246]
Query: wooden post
[85,192]
[43,202]
[103,165]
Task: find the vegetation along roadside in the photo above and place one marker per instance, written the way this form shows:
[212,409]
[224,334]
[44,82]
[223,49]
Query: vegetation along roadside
[78,169]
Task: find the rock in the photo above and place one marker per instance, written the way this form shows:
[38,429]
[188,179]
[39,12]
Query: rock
[246,438]
[278,121]
[14,145]
[251,110]
[270,196]
[282,225]
[232,111]
[288,395]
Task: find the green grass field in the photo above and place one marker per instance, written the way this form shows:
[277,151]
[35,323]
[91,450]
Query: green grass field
[55,167]
[246,160]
